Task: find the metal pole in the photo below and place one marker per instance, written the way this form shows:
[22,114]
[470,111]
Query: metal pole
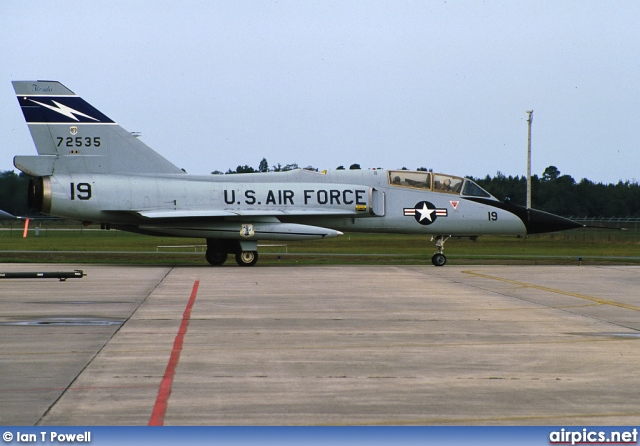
[529,121]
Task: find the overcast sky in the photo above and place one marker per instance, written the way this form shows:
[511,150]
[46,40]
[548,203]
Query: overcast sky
[437,84]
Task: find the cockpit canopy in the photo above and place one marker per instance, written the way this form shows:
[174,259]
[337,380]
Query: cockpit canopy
[436,182]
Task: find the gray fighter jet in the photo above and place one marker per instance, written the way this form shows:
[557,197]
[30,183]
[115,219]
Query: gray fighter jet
[90,169]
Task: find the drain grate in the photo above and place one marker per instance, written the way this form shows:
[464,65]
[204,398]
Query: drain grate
[72,321]
[61,275]
[629,335]
[622,335]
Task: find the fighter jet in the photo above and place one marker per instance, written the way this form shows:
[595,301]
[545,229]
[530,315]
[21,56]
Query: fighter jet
[90,169]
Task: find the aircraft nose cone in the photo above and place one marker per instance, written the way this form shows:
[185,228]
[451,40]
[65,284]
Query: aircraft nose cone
[538,222]
[535,221]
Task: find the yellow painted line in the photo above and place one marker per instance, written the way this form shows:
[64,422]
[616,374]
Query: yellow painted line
[556,291]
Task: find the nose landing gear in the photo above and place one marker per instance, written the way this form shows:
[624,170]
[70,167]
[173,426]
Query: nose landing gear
[439,259]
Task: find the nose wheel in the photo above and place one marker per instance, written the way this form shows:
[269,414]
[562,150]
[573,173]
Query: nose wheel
[439,259]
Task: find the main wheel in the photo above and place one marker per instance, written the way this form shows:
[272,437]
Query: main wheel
[247,258]
[438,259]
[215,257]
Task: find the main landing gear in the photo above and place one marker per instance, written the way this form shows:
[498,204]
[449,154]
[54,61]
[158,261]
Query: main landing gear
[218,250]
[247,258]
[439,259]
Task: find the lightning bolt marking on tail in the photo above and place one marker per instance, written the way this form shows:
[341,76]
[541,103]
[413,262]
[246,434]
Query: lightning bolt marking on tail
[64,110]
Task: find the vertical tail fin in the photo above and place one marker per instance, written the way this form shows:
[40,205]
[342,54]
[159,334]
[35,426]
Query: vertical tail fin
[71,136]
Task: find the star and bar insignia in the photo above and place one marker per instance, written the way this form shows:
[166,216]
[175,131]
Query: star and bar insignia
[425,212]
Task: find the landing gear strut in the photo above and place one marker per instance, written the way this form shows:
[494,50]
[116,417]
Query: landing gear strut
[439,259]
[218,250]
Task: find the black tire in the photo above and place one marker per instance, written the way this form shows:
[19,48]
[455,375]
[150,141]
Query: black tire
[247,258]
[216,258]
[439,260]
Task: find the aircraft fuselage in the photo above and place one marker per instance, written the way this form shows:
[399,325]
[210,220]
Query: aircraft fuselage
[354,201]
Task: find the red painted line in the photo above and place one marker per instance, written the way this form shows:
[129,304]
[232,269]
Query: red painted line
[164,392]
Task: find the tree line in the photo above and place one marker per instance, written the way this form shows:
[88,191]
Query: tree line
[562,195]
[551,192]
[264,167]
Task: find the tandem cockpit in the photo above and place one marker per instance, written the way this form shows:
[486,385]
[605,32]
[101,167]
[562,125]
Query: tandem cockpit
[436,182]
